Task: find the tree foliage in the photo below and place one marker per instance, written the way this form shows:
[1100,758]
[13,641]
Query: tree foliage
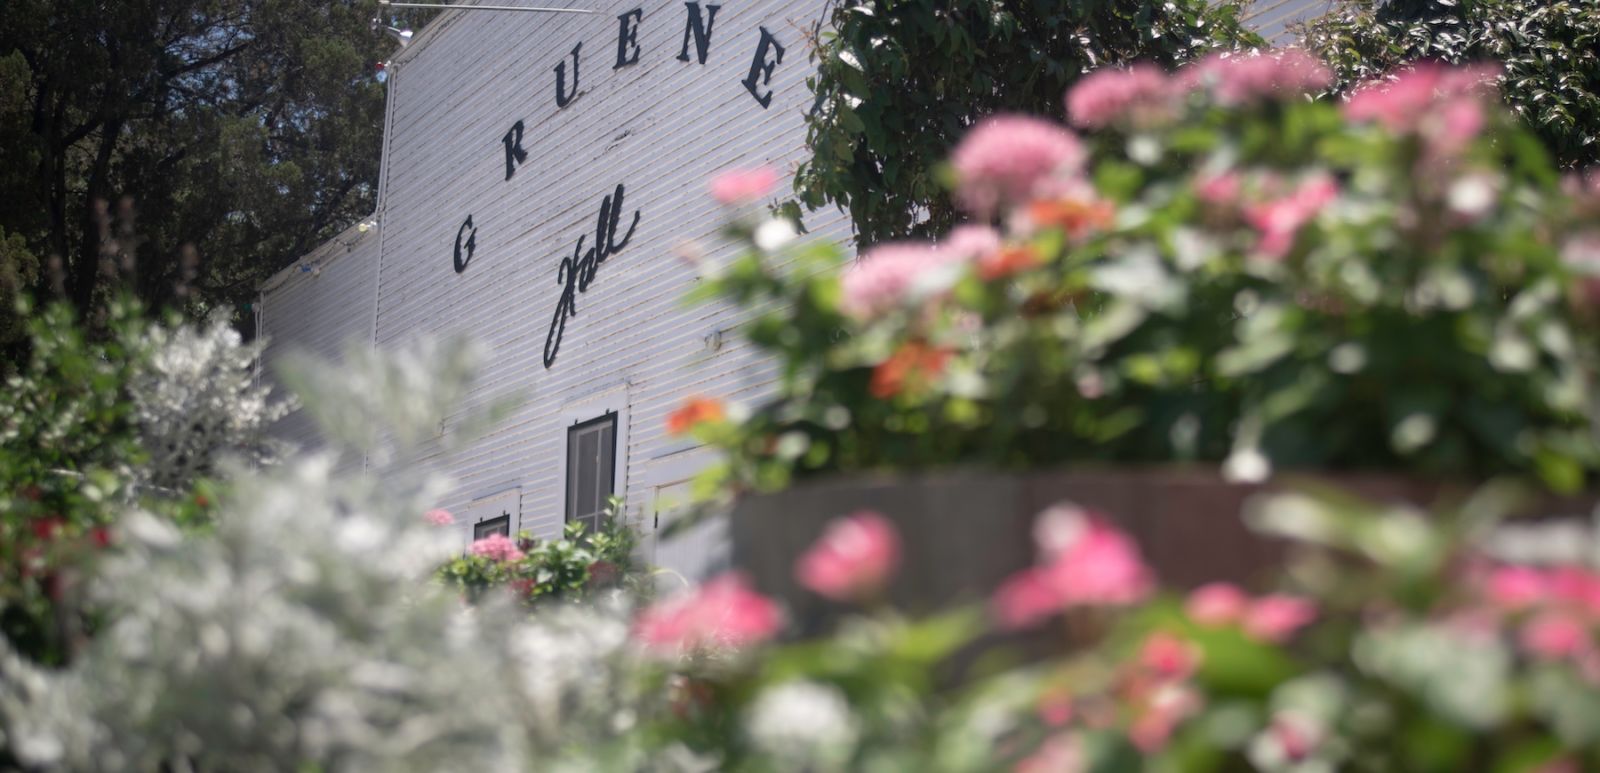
[1550,52]
[898,82]
[231,135]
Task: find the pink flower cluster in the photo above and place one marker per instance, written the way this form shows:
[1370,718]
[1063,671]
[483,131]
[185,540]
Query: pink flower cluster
[497,547]
[724,612]
[1087,562]
[1234,79]
[1561,606]
[1004,159]
[1140,95]
[853,559]
[1150,696]
[743,186]
[439,517]
[886,275]
[1443,105]
[1279,220]
[1272,618]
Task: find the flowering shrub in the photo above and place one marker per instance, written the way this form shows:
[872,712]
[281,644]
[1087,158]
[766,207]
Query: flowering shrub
[90,426]
[1401,640]
[275,641]
[534,569]
[1224,269]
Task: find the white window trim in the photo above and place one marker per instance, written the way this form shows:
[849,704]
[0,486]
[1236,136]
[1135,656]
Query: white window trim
[613,400]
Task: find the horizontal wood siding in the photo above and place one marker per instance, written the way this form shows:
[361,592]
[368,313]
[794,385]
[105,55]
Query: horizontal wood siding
[661,128]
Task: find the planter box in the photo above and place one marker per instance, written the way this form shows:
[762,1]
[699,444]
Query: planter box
[964,532]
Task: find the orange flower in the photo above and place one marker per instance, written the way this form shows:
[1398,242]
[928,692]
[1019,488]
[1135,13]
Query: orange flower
[1077,217]
[1006,261]
[911,366]
[695,410]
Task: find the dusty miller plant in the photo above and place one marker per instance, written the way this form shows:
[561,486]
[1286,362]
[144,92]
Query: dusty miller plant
[301,632]
[196,397]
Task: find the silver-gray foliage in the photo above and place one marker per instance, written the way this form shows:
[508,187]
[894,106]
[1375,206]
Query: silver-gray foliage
[302,634]
[196,401]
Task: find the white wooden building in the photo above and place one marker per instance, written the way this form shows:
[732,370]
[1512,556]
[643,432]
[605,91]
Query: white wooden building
[507,136]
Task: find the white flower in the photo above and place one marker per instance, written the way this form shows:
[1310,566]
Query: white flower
[803,723]
[774,234]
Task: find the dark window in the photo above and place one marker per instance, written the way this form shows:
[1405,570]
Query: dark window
[500,524]
[591,463]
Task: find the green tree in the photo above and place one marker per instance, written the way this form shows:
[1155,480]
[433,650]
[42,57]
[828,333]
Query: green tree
[898,82]
[1550,52]
[230,135]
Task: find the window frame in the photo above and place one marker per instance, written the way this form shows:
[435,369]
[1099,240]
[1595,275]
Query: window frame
[613,400]
[567,505]
[500,524]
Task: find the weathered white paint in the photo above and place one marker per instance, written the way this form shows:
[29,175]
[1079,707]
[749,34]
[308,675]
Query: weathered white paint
[661,128]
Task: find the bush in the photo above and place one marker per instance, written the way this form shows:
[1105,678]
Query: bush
[300,632]
[534,570]
[1550,52]
[138,415]
[1222,270]
[899,81]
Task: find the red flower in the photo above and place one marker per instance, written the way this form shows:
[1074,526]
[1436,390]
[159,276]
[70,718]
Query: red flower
[1006,261]
[1076,216]
[695,411]
[912,366]
[100,536]
[46,528]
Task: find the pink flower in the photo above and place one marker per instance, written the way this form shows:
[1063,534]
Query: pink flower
[723,612]
[439,517]
[1168,656]
[1060,753]
[742,186]
[1279,220]
[1581,255]
[1274,618]
[1004,158]
[1444,105]
[854,557]
[1168,707]
[1555,636]
[1235,80]
[1025,598]
[1515,587]
[1296,735]
[497,547]
[1101,568]
[887,274]
[1139,95]
[1088,563]
[1575,586]
[1055,709]
[1217,603]
[968,242]
[1220,190]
